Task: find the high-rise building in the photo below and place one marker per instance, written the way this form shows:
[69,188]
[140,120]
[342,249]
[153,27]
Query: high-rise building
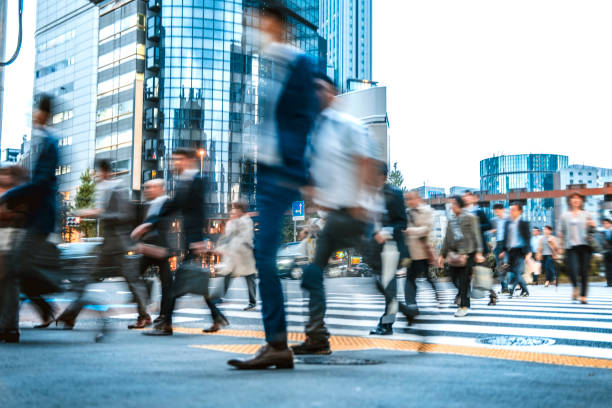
[65,67]
[587,177]
[346,25]
[527,172]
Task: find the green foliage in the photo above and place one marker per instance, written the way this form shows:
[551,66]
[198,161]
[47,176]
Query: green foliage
[395,178]
[85,199]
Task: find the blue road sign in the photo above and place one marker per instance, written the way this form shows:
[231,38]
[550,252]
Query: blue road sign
[298,210]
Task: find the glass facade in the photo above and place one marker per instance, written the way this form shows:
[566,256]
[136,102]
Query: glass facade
[531,172]
[202,75]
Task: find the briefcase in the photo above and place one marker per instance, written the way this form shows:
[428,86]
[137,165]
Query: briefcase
[191,277]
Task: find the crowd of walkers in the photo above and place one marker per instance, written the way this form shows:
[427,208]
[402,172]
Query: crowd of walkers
[306,148]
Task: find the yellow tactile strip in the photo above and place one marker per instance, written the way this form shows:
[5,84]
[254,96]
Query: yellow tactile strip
[348,343]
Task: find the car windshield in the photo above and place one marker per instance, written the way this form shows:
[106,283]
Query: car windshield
[290,250]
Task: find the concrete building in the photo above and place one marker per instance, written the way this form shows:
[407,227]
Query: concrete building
[588,177]
[430,192]
[457,190]
[66,66]
[346,25]
[370,105]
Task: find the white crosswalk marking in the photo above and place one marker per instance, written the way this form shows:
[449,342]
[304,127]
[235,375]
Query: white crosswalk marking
[570,328]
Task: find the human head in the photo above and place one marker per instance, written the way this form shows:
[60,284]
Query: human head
[575,201]
[457,204]
[154,188]
[547,230]
[516,209]
[470,198]
[381,174]
[42,114]
[272,24]
[326,90]
[536,231]
[607,223]
[184,158]
[239,207]
[412,199]
[499,210]
[103,169]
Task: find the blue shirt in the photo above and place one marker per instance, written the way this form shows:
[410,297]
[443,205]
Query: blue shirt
[514,236]
[500,226]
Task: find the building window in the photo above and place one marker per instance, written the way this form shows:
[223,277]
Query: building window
[153,58]
[62,116]
[152,88]
[154,28]
[154,4]
[54,67]
[152,119]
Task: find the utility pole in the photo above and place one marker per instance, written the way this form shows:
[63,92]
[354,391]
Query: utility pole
[3,12]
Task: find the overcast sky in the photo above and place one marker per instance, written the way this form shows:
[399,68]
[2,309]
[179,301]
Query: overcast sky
[466,80]
[469,79]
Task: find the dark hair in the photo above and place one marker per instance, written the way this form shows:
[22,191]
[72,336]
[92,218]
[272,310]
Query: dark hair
[45,103]
[103,164]
[548,227]
[607,220]
[518,205]
[459,200]
[241,204]
[383,168]
[536,228]
[185,151]
[575,194]
[468,192]
[325,78]
[498,206]
[275,12]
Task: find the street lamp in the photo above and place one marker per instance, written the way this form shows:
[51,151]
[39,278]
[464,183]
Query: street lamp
[202,153]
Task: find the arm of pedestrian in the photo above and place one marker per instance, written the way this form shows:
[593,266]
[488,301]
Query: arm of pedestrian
[479,258]
[140,230]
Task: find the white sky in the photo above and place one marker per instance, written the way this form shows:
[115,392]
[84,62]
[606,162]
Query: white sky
[469,79]
[466,79]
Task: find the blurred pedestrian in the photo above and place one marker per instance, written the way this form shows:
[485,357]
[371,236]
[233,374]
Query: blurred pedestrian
[534,242]
[499,228]
[116,216]
[517,246]
[418,234]
[462,249]
[547,251]
[289,108]
[574,228]
[39,196]
[607,235]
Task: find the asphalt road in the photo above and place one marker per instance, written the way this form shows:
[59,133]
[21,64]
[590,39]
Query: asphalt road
[54,368]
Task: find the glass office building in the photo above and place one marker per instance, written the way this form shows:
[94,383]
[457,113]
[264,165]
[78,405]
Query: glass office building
[526,172]
[201,79]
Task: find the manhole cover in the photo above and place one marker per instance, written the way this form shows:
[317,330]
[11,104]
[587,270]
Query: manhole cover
[336,361]
[519,341]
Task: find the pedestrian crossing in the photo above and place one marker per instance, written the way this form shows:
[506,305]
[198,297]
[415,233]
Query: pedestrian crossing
[546,322]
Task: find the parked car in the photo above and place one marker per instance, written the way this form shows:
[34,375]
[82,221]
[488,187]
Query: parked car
[77,259]
[291,260]
[359,269]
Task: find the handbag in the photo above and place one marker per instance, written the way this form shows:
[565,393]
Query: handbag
[456,260]
[482,281]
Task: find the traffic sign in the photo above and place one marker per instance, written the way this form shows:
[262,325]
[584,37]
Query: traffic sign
[298,210]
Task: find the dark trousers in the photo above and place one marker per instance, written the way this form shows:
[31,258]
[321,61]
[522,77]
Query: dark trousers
[578,264]
[461,277]
[9,296]
[498,265]
[417,268]
[548,264]
[251,287]
[165,278]
[516,259]
[341,231]
[608,263]
[273,199]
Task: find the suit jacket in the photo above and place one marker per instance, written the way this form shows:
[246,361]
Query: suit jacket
[485,225]
[187,204]
[40,194]
[470,240]
[396,218]
[524,231]
[117,220]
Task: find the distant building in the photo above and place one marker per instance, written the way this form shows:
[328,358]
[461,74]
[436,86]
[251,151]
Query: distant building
[431,192]
[528,172]
[456,190]
[11,155]
[370,105]
[587,177]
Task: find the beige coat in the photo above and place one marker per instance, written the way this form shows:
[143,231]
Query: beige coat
[420,222]
[236,247]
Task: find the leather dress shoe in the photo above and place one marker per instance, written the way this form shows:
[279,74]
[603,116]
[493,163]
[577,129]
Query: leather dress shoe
[312,346]
[9,336]
[159,319]
[410,312]
[216,326]
[46,323]
[266,357]
[382,330]
[141,323]
[251,306]
[162,329]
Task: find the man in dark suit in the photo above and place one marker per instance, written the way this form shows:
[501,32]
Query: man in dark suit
[517,244]
[394,220]
[607,235]
[289,108]
[40,196]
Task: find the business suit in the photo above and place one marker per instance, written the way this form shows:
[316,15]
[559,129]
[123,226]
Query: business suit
[39,195]
[517,248]
[485,225]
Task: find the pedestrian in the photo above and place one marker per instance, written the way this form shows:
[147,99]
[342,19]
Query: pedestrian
[186,205]
[462,250]
[574,228]
[607,235]
[418,234]
[154,248]
[289,108]
[517,246]
[547,251]
[499,227]
[39,195]
[236,249]
[535,242]
[116,216]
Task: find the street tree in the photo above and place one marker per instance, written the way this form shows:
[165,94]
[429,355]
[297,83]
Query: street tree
[395,178]
[85,199]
